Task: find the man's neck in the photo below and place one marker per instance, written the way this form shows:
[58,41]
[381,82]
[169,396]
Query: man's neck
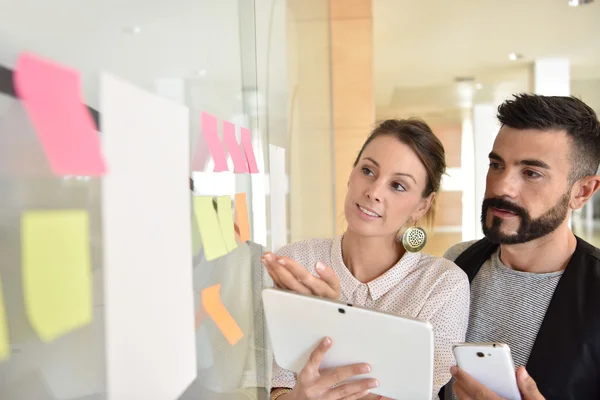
[550,253]
[369,257]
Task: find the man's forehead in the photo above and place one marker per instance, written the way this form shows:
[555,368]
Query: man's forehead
[551,147]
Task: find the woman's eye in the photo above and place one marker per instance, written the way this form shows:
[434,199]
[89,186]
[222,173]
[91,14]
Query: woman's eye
[367,171]
[398,187]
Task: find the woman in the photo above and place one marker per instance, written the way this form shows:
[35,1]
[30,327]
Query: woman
[376,263]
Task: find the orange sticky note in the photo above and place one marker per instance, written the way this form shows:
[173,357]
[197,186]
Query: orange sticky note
[211,300]
[241,216]
[51,94]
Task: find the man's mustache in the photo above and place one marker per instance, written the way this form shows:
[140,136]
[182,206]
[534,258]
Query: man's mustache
[504,205]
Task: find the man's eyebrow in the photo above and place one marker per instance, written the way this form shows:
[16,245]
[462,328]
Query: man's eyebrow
[528,162]
[495,156]
[535,163]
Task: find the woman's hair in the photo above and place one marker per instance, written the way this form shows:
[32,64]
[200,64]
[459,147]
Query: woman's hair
[417,135]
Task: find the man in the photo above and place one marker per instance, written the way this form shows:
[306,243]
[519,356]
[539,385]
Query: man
[534,285]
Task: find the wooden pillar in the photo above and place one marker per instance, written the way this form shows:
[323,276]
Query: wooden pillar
[353,105]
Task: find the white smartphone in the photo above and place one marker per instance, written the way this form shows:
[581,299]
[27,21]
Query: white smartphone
[491,364]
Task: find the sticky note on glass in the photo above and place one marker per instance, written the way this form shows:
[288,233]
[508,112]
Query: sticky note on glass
[242,154]
[56,271]
[51,94]
[225,213]
[201,154]
[247,143]
[236,152]
[210,230]
[4,346]
[241,216]
[210,132]
[211,300]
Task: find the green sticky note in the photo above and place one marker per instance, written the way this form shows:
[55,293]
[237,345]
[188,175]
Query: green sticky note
[4,346]
[225,213]
[210,230]
[56,265]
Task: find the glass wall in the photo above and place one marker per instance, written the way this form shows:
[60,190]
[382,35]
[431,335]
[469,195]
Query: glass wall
[225,58]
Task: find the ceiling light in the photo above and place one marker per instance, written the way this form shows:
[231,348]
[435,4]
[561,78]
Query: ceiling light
[478,86]
[201,72]
[515,56]
[464,79]
[134,30]
[577,3]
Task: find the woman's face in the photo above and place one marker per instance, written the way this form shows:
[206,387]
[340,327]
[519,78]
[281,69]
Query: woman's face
[385,189]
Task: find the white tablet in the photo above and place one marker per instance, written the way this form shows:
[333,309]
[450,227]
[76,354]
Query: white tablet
[399,349]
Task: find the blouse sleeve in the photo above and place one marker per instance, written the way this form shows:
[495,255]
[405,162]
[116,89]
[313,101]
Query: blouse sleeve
[447,309]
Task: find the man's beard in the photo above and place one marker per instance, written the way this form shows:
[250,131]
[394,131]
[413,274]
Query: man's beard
[529,229]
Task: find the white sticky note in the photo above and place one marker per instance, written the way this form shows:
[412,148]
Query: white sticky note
[277,186]
[150,335]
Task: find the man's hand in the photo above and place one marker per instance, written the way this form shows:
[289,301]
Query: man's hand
[288,274]
[527,386]
[467,388]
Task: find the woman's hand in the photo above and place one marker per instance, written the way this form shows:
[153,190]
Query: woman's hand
[313,384]
[288,274]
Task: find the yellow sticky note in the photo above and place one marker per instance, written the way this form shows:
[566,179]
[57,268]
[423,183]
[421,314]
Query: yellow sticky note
[4,346]
[210,230]
[56,271]
[225,214]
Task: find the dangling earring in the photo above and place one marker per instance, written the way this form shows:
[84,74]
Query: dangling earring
[414,239]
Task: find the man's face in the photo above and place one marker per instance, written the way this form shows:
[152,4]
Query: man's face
[527,192]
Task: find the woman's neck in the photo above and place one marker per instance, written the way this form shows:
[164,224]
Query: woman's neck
[367,258]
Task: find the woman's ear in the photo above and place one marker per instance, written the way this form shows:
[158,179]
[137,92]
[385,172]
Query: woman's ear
[423,207]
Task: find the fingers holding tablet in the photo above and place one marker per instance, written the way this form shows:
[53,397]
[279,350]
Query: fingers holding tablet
[314,383]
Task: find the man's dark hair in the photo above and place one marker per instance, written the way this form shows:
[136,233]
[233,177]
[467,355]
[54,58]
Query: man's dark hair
[547,113]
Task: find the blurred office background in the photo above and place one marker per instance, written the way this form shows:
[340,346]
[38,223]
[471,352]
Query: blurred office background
[311,77]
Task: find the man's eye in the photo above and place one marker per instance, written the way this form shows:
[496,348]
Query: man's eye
[532,174]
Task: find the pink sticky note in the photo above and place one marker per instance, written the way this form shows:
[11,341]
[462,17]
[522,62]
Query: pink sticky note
[51,94]
[237,154]
[209,129]
[247,143]
[201,154]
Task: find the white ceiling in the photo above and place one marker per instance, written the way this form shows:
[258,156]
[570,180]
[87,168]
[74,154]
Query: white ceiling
[420,46]
[177,38]
[427,44]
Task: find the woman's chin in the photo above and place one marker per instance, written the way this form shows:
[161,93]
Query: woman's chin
[359,229]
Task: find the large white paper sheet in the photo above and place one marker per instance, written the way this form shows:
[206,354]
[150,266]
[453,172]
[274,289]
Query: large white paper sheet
[278,190]
[150,338]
